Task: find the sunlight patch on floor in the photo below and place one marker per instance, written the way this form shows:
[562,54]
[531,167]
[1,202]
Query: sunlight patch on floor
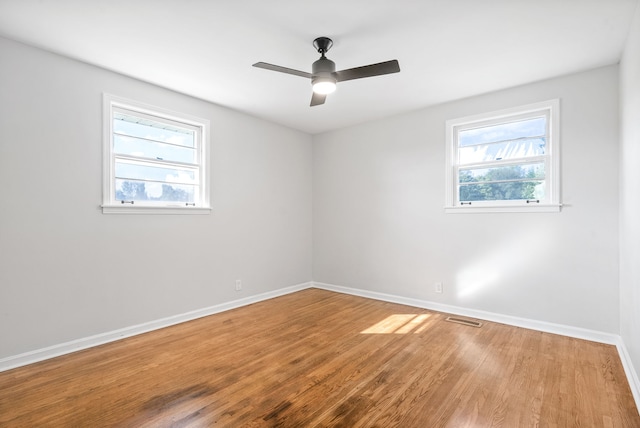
[399,324]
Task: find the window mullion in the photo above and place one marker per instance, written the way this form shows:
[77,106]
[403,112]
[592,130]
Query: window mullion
[488,143]
[509,162]
[510,180]
[156,162]
[151,140]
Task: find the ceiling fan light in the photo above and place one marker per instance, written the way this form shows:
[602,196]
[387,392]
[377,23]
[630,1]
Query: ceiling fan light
[324,86]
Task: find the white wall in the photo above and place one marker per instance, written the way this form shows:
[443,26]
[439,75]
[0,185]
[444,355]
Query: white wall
[630,195]
[379,224]
[67,271]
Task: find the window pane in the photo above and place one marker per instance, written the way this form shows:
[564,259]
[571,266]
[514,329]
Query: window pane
[522,148]
[131,190]
[514,190]
[154,150]
[502,183]
[502,173]
[152,130]
[154,173]
[505,131]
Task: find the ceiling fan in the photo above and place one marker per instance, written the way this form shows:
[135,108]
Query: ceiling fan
[324,75]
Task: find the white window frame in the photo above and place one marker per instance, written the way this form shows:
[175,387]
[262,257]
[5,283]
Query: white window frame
[110,205]
[551,158]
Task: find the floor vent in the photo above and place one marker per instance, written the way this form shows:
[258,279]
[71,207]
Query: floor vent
[470,323]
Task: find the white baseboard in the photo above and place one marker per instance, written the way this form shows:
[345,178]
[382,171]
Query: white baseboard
[30,357]
[632,374]
[564,330]
[579,333]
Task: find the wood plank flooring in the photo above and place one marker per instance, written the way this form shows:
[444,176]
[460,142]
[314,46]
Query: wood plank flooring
[322,359]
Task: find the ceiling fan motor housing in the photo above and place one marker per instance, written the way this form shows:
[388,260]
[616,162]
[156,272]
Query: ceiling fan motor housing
[322,71]
[324,66]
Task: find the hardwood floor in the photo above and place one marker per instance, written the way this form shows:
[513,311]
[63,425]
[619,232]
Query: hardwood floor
[319,359]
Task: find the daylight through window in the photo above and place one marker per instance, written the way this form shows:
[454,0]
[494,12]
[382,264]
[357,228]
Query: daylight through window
[504,161]
[153,160]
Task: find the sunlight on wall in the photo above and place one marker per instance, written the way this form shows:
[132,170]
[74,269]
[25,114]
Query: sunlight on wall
[399,324]
[505,259]
[476,277]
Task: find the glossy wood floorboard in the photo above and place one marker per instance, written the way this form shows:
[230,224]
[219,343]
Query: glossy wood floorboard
[322,359]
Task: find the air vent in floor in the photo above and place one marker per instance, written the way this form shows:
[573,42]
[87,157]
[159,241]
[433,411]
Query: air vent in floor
[463,321]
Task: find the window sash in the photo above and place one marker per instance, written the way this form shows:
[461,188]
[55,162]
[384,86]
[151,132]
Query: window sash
[124,145]
[134,169]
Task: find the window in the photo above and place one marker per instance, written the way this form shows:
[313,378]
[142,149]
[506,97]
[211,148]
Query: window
[155,161]
[506,161]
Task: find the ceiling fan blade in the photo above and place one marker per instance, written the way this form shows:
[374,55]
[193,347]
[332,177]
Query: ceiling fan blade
[286,70]
[371,70]
[317,99]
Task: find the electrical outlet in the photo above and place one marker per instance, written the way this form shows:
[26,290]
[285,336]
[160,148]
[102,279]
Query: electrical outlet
[238,285]
[438,287]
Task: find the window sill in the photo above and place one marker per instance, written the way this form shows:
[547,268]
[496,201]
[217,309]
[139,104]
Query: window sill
[141,209]
[556,208]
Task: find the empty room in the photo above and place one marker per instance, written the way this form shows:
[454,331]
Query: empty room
[341,213]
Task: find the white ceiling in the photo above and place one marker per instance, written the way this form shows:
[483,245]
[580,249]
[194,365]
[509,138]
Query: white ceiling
[447,49]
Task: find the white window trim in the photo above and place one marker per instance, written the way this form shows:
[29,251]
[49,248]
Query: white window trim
[553,173]
[109,205]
